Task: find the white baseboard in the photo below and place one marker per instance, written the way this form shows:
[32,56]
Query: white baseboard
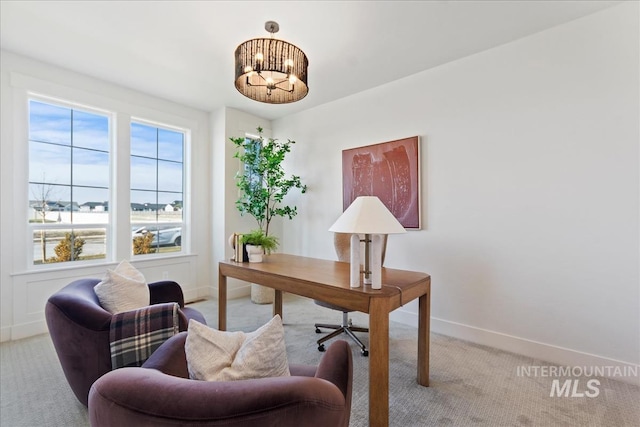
[30,329]
[233,293]
[191,295]
[5,334]
[537,350]
[237,292]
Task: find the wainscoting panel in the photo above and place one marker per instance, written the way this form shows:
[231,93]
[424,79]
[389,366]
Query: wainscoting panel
[31,290]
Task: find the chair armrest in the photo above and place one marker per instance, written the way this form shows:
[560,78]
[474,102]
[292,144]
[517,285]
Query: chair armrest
[147,397]
[336,366]
[166,291]
[79,303]
[302,370]
[170,358]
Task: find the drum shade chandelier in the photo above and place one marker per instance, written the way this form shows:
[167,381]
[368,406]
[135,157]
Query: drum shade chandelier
[270,70]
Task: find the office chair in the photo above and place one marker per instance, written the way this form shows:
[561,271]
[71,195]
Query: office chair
[342,244]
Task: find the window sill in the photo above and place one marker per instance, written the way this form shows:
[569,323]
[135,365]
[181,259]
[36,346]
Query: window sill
[92,266]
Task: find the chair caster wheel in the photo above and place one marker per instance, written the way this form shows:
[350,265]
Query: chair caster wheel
[365,353]
[318,331]
[321,347]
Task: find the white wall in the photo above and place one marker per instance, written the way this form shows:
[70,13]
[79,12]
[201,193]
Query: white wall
[23,291]
[229,123]
[530,188]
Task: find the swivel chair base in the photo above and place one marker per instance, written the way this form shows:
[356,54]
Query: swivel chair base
[345,327]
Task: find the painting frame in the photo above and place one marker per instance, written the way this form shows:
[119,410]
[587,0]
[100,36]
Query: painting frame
[389,170]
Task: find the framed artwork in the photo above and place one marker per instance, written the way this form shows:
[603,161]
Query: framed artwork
[388,170]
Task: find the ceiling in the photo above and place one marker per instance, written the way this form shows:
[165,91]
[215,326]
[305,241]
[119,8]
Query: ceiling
[183,50]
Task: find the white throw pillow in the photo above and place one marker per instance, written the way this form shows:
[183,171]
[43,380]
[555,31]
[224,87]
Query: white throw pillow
[123,289]
[214,355]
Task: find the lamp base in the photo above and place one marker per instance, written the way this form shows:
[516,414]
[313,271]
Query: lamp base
[373,261]
[376,262]
[355,261]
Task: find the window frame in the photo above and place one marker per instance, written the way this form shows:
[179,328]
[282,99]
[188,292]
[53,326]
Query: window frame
[122,112]
[33,227]
[185,235]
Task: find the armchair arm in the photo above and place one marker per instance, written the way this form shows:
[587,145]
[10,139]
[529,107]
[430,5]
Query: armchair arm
[166,291]
[78,303]
[170,358]
[336,366]
[147,397]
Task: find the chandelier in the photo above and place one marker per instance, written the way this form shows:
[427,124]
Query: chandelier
[270,70]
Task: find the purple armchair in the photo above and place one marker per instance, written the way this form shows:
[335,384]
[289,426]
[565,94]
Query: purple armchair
[161,393]
[79,329]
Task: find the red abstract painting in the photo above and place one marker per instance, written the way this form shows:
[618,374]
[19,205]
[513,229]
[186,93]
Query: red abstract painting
[390,171]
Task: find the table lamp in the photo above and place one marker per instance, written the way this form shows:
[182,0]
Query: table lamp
[369,216]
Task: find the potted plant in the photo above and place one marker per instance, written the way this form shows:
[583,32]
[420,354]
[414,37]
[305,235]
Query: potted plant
[258,244]
[263,183]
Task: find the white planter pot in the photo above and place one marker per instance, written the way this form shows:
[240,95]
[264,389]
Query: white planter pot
[255,253]
[262,294]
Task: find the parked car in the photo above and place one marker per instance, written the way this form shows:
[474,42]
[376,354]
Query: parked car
[163,237]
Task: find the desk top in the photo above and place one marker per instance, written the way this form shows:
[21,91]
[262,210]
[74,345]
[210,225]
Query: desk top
[327,280]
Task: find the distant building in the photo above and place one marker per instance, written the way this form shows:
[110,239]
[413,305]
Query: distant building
[59,206]
[147,207]
[68,207]
[94,207]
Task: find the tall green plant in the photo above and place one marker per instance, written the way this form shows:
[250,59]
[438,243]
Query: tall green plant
[263,183]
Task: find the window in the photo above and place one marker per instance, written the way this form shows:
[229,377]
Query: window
[157,197]
[68,182]
[252,149]
[71,197]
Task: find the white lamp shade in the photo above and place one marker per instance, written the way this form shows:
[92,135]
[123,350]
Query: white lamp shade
[367,215]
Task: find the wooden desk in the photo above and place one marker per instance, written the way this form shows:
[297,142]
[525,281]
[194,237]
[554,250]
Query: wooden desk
[329,281]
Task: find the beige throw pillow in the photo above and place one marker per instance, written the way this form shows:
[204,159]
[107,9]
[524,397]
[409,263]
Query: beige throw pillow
[214,355]
[123,289]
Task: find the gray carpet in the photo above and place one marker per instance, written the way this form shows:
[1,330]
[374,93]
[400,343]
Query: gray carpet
[470,384]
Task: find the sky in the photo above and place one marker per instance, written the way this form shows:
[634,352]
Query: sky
[60,137]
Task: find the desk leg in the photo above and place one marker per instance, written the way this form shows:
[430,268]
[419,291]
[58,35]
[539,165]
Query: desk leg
[379,362]
[222,302]
[277,304]
[424,316]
